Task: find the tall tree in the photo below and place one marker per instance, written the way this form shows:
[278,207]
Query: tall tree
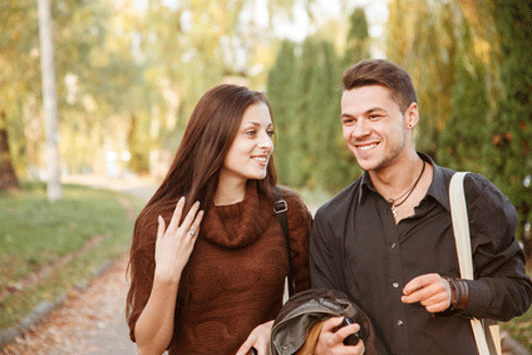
[19,74]
[509,154]
[281,94]
[461,142]
[425,46]
[358,40]
[298,131]
[332,168]
[8,178]
[138,146]
[54,189]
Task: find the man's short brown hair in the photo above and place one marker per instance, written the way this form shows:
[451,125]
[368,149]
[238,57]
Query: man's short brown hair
[385,73]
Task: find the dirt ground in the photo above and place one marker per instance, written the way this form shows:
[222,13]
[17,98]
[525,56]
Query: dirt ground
[90,321]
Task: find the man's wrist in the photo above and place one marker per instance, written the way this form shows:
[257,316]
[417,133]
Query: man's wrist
[459,293]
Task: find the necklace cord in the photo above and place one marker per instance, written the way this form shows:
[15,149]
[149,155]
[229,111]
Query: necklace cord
[391,201]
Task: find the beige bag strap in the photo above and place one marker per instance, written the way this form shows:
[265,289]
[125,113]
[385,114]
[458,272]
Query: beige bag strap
[460,222]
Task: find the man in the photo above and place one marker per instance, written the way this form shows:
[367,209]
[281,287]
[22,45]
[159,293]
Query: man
[387,239]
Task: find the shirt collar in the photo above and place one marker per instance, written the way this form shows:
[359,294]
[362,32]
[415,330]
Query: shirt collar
[438,189]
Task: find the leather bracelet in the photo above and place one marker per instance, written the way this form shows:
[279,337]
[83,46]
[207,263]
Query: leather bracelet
[452,286]
[459,293]
[464,294]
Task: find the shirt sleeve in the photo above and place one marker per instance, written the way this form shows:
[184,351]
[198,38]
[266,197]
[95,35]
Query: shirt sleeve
[323,265]
[501,289]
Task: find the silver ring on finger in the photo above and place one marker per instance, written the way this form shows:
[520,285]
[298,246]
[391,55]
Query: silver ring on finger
[192,231]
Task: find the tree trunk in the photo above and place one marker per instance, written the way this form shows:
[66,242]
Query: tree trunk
[8,178]
[54,189]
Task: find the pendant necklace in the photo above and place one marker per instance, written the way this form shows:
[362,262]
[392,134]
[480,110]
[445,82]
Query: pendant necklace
[408,192]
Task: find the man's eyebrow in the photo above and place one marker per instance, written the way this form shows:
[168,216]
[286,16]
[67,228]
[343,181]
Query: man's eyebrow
[376,108]
[373,109]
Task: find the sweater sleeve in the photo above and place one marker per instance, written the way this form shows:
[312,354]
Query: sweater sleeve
[299,223]
[141,271]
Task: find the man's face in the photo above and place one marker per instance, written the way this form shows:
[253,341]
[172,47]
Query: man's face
[373,126]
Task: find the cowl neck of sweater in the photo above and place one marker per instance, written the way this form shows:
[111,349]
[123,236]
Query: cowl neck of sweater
[240,224]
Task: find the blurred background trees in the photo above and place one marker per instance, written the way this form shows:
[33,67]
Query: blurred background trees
[130,71]
[470,62]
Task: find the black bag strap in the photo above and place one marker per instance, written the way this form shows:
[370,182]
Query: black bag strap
[280,207]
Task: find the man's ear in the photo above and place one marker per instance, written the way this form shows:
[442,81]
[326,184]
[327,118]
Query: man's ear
[411,116]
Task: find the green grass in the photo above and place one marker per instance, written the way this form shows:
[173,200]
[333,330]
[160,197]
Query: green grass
[35,233]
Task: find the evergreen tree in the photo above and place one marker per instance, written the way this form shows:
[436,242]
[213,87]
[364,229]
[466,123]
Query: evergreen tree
[357,41]
[300,165]
[509,154]
[323,94]
[335,166]
[305,92]
[280,93]
[461,141]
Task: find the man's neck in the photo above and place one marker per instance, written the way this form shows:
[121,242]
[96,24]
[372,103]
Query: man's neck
[404,186]
[396,179]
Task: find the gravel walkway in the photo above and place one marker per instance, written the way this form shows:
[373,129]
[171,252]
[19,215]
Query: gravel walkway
[90,321]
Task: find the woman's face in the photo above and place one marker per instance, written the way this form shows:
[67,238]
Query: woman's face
[252,148]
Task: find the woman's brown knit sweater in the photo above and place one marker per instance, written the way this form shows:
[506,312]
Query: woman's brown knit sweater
[235,277]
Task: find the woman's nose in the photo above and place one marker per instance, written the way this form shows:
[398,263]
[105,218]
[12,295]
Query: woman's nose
[265,141]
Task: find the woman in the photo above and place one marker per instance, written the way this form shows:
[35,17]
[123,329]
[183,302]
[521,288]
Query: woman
[212,281]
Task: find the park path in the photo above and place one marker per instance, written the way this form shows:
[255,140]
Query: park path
[91,321]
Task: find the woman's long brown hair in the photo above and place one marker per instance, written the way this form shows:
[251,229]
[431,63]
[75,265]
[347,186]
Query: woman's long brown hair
[194,173]
[210,131]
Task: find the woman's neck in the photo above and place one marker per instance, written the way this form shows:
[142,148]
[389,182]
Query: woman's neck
[229,192]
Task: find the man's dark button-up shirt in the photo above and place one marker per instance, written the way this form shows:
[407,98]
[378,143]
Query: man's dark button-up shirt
[356,247]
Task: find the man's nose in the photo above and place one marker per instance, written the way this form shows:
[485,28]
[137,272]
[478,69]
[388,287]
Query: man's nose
[360,129]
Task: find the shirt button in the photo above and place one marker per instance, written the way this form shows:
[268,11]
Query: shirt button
[394,245]
[395,284]
[399,322]
[284,346]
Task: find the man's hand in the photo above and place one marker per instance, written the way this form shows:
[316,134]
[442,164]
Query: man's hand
[331,342]
[431,290]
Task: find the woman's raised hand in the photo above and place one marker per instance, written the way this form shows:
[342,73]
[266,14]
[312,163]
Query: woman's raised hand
[175,244]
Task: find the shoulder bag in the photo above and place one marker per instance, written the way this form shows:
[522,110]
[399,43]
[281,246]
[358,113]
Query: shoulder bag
[280,207]
[486,331]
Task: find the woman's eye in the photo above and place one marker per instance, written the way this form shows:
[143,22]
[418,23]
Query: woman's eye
[251,133]
[270,133]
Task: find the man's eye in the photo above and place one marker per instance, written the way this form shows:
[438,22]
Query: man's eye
[347,120]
